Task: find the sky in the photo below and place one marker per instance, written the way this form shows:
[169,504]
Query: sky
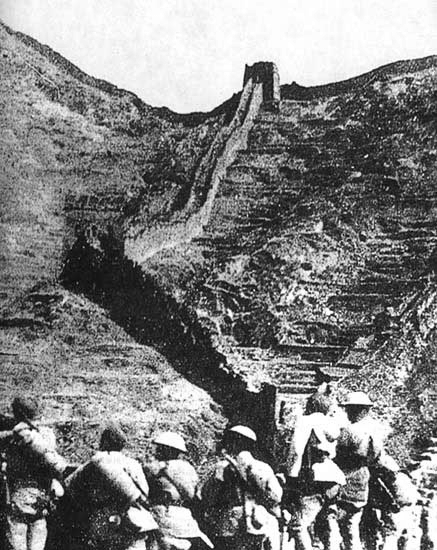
[189,55]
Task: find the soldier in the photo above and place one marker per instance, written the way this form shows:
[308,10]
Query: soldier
[107,499]
[323,397]
[394,513]
[313,479]
[174,493]
[360,446]
[32,467]
[242,496]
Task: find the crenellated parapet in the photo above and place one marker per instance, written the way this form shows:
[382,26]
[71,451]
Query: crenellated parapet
[265,72]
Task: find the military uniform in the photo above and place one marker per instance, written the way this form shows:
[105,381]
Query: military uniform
[105,498]
[242,498]
[394,514]
[313,479]
[29,486]
[360,446]
[32,463]
[353,458]
[174,491]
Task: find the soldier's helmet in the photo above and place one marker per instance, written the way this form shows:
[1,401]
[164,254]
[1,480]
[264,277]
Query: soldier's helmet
[113,437]
[171,439]
[243,431]
[357,398]
[25,408]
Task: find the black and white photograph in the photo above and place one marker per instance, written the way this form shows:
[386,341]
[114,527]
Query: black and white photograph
[218,275]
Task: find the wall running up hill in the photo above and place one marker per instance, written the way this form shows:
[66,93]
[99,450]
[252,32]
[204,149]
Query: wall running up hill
[294,231]
[212,169]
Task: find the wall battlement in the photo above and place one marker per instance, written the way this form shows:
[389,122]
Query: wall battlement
[267,73]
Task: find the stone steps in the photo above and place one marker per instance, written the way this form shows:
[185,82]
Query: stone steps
[300,150]
[318,352]
[297,373]
[292,156]
[389,286]
[359,298]
[299,389]
[292,368]
[411,235]
[392,269]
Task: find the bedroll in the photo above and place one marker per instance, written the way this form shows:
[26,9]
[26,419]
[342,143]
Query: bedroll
[103,478]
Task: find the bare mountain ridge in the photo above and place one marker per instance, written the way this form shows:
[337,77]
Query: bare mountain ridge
[295,91]
[69,67]
[82,140]
[279,232]
[288,91]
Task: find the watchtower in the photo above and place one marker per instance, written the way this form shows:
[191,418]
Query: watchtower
[267,73]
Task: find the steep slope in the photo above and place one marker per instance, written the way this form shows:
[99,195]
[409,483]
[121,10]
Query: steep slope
[327,216]
[85,370]
[321,237]
[78,152]
[85,166]
[260,241]
[81,157]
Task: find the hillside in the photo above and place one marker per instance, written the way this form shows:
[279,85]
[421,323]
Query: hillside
[289,229]
[85,370]
[321,244]
[65,137]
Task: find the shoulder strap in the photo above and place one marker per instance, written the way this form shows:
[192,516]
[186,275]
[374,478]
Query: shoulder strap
[180,488]
[236,468]
[135,482]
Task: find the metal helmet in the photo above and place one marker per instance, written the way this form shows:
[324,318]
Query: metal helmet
[171,439]
[25,408]
[358,398]
[244,431]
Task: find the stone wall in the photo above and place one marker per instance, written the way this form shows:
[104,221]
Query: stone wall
[265,72]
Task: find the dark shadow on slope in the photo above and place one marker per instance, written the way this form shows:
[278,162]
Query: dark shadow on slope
[135,301]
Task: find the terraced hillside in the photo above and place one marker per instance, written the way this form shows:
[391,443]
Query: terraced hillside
[258,242]
[324,226]
[81,159]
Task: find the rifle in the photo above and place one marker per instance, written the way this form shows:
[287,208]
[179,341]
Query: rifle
[243,485]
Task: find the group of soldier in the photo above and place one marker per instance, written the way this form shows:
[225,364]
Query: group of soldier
[320,499]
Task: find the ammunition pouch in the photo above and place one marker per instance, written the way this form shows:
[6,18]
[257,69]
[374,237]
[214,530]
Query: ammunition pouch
[109,524]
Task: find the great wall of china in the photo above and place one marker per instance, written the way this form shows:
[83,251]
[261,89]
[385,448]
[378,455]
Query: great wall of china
[309,213]
[263,160]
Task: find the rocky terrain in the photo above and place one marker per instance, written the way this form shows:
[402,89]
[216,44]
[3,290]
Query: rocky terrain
[85,369]
[214,255]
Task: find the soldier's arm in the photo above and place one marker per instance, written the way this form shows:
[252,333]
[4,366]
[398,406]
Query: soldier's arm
[192,485]
[298,442]
[273,489]
[262,478]
[378,457]
[136,472]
